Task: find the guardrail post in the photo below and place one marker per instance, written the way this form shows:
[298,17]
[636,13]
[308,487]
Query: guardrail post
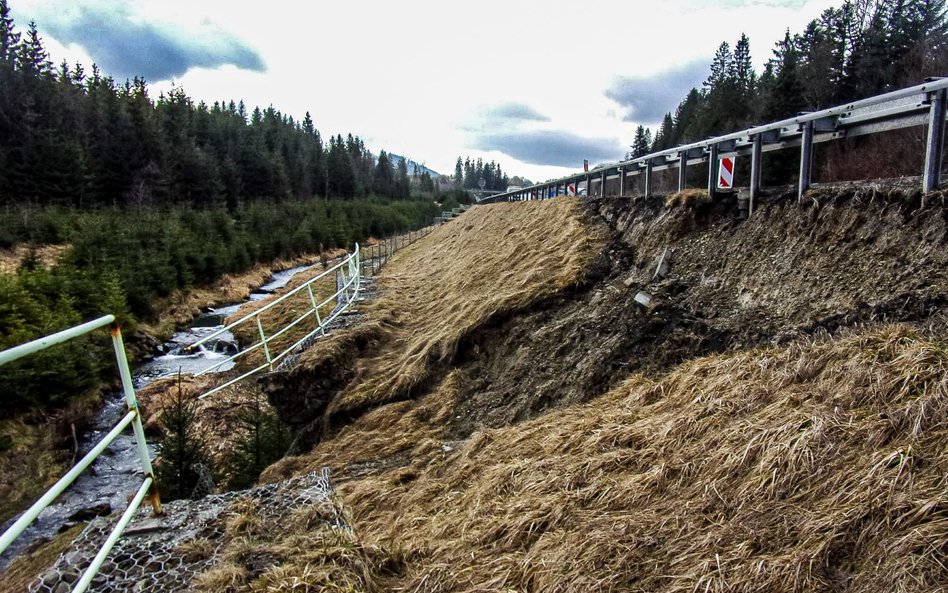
[263,339]
[936,138]
[602,184]
[712,170]
[806,159]
[682,170]
[131,401]
[648,178]
[755,172]
[621,181]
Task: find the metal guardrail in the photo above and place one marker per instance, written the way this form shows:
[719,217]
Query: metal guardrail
[133,417]
[347,291]
[919,105]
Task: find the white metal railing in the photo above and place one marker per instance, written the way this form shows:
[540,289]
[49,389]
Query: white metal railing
[349,282]
[133,417]
[921,105]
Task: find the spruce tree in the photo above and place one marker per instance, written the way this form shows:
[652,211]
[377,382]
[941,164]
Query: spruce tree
[459,174]
[180,449]
[265,441]
[641,142]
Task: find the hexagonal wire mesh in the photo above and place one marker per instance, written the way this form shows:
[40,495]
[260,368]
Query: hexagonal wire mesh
[164,554]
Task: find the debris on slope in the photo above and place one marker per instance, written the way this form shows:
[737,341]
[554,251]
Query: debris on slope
[818,466]
[728,286]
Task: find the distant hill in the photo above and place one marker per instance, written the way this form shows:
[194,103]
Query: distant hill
[413,167]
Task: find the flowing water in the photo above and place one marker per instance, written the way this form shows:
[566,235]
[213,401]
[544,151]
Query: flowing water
[116,474]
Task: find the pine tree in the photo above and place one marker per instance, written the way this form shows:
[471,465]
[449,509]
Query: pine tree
[665,136]
[9,38]
[180,450]
[402,184]
[384,176]
[459,174]
[641,143]
[786,96]
[266,440]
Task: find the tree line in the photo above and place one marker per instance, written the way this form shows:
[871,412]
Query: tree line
[468,174]
[861,49]
[76,137]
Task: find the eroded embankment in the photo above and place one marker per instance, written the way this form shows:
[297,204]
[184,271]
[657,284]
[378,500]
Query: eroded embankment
[726,441]
[847,256]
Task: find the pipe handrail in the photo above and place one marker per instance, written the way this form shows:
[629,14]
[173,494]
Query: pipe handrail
[132,417]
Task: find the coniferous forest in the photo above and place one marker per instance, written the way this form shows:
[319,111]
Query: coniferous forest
[860,49]
[155,194]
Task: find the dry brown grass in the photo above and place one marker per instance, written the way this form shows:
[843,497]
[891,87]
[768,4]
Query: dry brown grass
[48,256]
[821,466]
[182,305]
[490,261]
[688,198]
[218,417]
[298,551]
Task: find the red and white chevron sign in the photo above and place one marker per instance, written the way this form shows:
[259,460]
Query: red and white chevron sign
[726,173]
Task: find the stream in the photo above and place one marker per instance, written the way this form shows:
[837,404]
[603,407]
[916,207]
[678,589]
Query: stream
[116,474]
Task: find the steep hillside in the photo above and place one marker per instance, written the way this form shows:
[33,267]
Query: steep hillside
[791,460]
[476,271]
[507,416]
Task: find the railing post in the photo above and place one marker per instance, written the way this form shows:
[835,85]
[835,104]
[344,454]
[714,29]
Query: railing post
[936,138]
[131,401]
[755,173]
[263,339]
[806,159]
[682,170]
[712,170]
[648,178]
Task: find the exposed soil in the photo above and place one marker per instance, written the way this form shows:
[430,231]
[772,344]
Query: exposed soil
[847,256]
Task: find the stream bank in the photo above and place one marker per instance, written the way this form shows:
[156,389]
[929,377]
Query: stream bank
[106,485]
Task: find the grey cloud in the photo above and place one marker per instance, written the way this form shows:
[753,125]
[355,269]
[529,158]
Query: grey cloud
[517,111]
[646,99]
[548,147]
[124,47]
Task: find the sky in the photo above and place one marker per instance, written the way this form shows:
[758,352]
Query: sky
[536,86]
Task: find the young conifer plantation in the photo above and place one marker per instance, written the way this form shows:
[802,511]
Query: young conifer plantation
[148,195]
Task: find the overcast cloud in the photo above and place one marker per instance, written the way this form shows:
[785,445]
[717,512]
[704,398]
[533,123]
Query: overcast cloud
[528,84]
[646,99]
[552,148]
[125,47]
[514,111]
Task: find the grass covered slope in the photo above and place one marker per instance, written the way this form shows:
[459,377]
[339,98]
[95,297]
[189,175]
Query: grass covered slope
[490,262]
[815,467]
[776,457]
